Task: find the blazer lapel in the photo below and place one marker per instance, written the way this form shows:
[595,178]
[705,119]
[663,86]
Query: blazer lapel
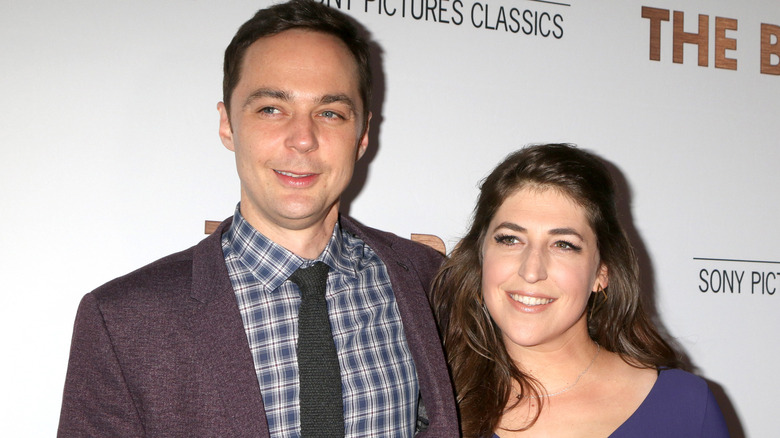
[226,376]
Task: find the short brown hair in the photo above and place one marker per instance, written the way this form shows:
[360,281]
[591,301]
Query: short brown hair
[298,14]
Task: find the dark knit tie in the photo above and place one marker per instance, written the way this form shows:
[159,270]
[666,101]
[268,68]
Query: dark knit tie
[322,411]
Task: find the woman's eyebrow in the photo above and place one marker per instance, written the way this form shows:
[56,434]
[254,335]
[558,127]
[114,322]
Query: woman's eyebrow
[565,232]
[510,225]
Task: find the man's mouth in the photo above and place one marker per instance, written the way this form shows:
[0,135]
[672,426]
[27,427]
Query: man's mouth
[293,175]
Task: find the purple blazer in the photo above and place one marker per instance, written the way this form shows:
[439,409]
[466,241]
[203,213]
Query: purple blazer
[162,351]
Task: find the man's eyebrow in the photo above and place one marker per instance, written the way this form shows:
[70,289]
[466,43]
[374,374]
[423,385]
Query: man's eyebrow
[338,98]
[267,93]
[286,96]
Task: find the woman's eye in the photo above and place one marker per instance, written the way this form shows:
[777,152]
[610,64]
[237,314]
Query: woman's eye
[562,244]
[505,239]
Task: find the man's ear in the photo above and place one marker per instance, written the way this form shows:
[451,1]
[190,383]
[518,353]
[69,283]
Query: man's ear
[225,130]
[363,143]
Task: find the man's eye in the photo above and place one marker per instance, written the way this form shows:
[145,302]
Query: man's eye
[330,115]
[269,110]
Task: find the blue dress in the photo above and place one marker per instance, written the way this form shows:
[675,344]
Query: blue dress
[680,404]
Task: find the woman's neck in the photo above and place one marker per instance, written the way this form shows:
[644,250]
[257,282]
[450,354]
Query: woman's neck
[558,367]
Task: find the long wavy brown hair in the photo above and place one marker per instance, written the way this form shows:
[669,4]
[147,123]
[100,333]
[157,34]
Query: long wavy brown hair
[483,372]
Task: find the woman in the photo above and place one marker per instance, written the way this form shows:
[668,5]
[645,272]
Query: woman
[541,316]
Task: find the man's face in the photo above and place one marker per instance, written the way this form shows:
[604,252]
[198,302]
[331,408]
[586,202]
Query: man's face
[296,128]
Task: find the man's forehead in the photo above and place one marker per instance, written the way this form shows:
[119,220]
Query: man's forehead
[289,62]
[292,42]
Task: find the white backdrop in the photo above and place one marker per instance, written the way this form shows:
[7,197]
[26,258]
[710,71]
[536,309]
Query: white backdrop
[110,156]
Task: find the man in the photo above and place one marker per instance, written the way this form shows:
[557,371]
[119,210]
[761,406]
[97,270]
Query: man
[203,342]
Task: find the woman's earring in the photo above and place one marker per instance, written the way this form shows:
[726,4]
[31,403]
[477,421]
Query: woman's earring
[596,304]
[602,291]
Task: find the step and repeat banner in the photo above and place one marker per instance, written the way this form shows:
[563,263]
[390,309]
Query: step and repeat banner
[111,158]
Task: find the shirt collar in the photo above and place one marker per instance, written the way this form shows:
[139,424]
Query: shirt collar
[272,264]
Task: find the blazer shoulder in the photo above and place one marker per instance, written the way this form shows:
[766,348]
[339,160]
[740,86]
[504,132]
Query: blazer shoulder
[169,276]
[165,274]
[401,256]
[380,240]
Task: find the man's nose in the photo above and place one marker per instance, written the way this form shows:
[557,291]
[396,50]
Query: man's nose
[303,134]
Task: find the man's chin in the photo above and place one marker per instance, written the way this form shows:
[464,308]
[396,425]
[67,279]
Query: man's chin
[306,216]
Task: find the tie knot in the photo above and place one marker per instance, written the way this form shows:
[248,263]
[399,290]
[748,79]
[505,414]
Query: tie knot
[312,279]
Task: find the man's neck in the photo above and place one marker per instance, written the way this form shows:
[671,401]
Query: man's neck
[307,241]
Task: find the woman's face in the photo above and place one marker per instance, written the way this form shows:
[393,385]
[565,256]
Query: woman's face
[540,264]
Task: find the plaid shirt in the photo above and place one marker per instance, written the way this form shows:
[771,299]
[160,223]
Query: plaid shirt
[378,378]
